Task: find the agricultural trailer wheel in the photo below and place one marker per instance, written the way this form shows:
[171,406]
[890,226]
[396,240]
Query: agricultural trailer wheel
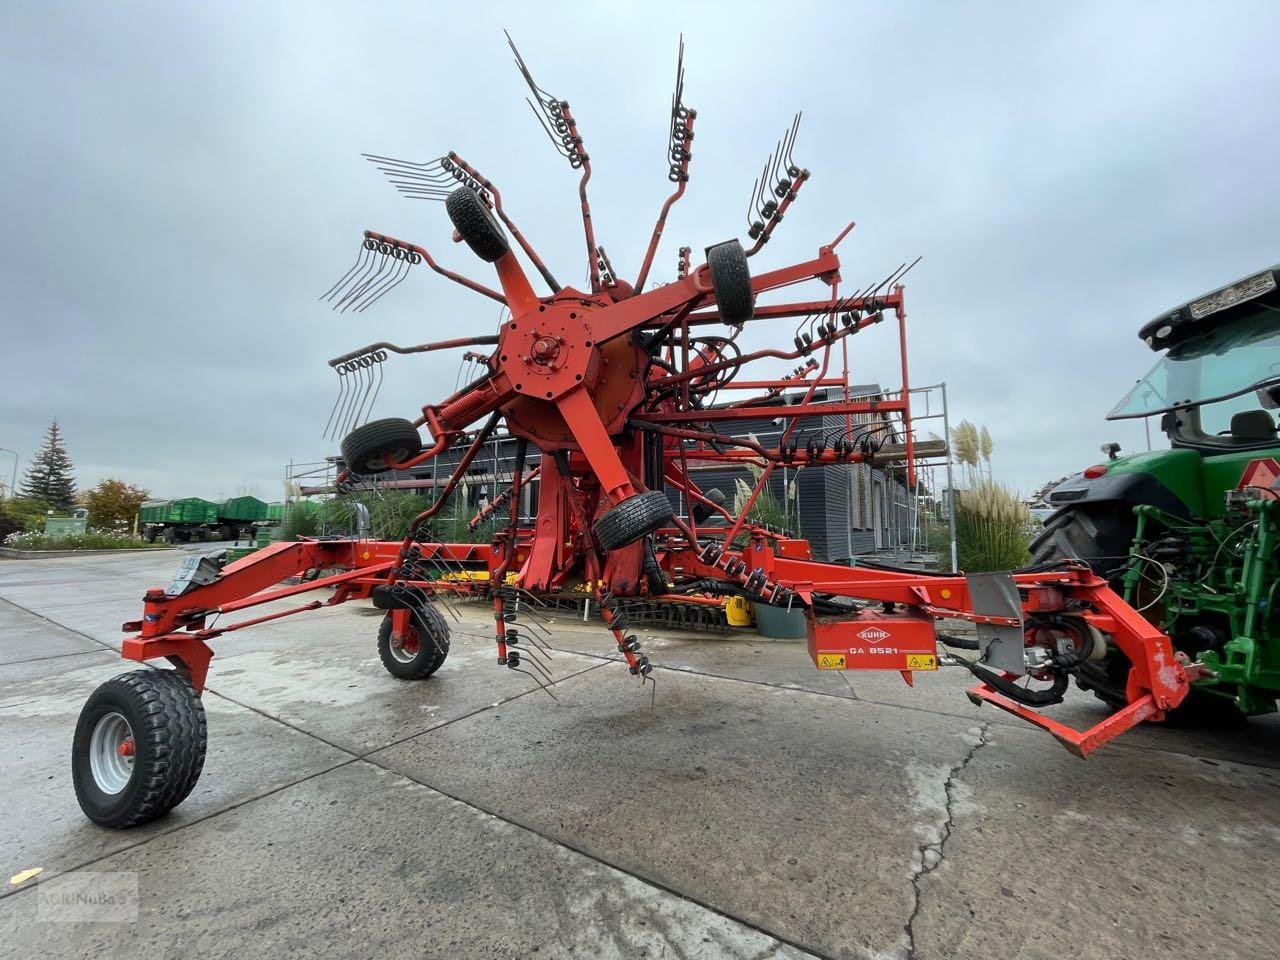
[138,747]
[635,517]
[476,225]
[372,447]
[1100,535]
[424,648]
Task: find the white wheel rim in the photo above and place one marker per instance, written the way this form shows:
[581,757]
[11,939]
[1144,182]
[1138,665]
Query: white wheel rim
[401,655]
[111,750]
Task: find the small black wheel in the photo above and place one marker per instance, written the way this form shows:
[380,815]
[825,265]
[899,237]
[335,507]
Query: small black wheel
[138,748]
[424,648]
[731,279]
[653,573]
[371,448]
[633,518]
[477,226]
[702,512]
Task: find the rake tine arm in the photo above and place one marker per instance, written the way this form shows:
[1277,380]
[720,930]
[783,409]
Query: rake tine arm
[681,184]
[678,156]
[422,252]
[774,220]
[420,348]
[515,231]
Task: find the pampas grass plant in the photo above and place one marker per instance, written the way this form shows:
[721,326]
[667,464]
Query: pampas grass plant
[992,528]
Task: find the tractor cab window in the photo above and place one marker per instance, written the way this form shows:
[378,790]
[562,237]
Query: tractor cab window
[1243,421]
[1232,362]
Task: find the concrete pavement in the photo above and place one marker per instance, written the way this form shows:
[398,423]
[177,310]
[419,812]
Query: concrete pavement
[758,809]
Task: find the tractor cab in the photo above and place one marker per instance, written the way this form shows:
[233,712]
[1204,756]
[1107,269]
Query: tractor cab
[1217,387]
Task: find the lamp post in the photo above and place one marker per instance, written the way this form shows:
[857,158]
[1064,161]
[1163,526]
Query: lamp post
[13,482]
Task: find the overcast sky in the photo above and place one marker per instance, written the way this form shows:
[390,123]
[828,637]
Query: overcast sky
[182,181]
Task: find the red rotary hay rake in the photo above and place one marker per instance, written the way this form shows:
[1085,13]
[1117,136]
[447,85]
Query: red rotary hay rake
[614,386]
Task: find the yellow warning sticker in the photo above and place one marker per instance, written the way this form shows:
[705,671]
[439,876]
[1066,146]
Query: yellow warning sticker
[925,661]
[831,661]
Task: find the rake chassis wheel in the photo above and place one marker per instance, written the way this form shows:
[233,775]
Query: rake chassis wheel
[423,648]
[138,748]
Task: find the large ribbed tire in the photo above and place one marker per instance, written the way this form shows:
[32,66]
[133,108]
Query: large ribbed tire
[476,225]
[423,650]
[371,448]
[731,278]
[636,517]
[138,748]
[1099,534]
[702,512]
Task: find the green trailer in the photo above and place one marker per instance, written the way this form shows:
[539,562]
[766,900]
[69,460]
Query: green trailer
[242,510]
[237,517]
[184,520]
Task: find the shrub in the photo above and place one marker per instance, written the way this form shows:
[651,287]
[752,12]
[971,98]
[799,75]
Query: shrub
[21,514]
[114,503]
[992,528]
[94,539]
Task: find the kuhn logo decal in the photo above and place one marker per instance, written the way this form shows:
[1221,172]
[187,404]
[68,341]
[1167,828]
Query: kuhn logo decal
[872,634]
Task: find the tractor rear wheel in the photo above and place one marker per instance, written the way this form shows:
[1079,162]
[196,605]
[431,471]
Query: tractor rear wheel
[731,279]
[372,448]
[138,748]
[476,225]
[1100,535]
[422,651]
[635,517]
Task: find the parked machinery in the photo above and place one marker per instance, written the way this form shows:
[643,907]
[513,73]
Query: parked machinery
[1189,533]
[615,385]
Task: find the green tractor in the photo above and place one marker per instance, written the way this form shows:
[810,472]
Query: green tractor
[1189,534]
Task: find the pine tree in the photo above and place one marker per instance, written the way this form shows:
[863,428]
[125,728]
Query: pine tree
[49,478]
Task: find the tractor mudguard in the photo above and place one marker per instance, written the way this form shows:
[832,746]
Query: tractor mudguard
[1117,488]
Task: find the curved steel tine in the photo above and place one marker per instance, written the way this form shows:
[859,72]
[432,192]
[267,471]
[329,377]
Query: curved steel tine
[368,278]
[432,168]
[342,380]
[366,401]
[545,688]
[366,384]
[398,272]
[352,388]
[340,296]
[761,186]
[751,203]
[776,160]
[556,141]
[898,279]
[360,260]
[332,423]
[371,290]
[357,393]
[400,161]
[528,653]
[795,129]
[376,390]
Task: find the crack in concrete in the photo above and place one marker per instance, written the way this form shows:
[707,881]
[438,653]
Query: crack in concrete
[930,855]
